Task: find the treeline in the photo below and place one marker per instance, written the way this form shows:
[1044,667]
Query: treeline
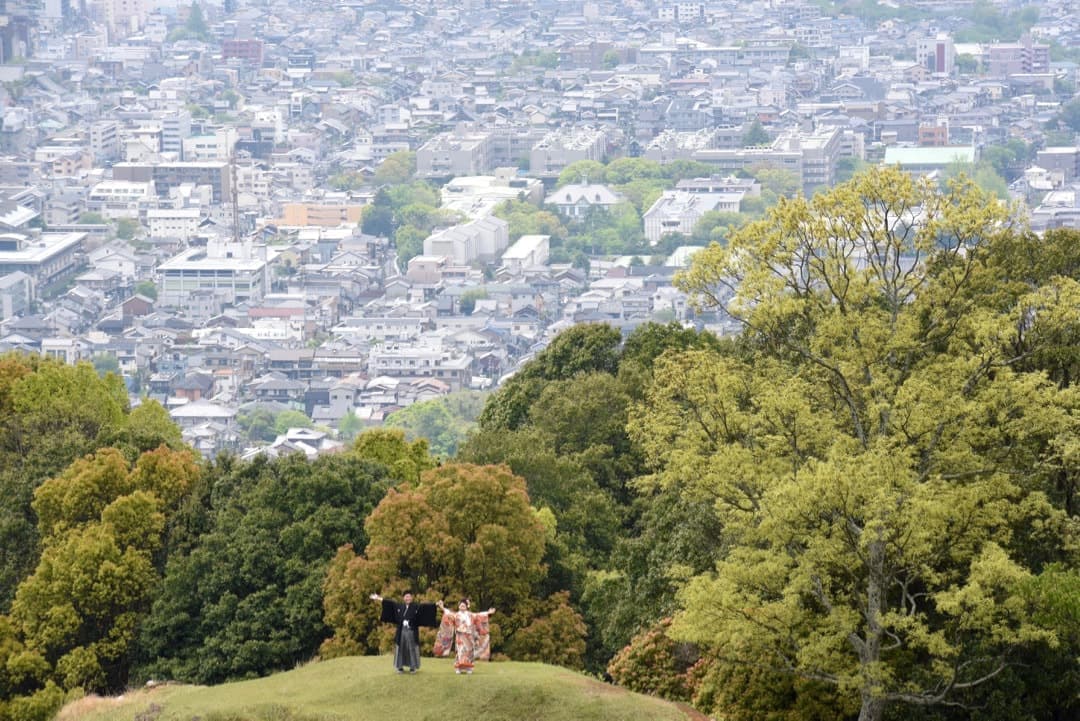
[865,506]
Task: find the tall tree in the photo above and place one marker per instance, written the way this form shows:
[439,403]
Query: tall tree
[245,596]
[878,465]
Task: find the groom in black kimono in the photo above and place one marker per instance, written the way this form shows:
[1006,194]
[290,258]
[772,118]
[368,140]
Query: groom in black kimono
[407,617]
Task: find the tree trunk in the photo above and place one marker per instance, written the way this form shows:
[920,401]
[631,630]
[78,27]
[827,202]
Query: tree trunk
[872,708]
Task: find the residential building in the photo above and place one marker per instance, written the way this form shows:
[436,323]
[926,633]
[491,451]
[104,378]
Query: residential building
[1063,160]
[478,240]
[180,223]
[120,198]
[678,211]
[528,251]
[561,148]
[329,215]
[47,258]
[938,54]
[232,273]
[577,200]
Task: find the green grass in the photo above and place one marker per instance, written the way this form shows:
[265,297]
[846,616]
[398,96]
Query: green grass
[368,689]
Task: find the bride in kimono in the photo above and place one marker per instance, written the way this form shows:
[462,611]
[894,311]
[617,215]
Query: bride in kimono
[468,632]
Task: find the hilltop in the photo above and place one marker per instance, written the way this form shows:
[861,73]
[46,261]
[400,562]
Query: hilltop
[367,689]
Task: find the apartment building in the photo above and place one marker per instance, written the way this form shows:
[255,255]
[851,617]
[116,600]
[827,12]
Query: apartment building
[181,223]
[234,273]
[120,198]
[562,147]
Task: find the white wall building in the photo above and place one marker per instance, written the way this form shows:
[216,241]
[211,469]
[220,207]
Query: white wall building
[180,223]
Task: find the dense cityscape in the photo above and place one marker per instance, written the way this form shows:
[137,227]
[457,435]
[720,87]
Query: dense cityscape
[195,195]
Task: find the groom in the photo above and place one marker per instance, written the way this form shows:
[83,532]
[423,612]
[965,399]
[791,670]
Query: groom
[407,617]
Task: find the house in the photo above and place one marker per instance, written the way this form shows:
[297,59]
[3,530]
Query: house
[578,200]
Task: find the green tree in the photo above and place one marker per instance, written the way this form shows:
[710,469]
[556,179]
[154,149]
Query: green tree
[397,168]
[389,447]
[147,288]
[52,414]
[878,462]
[103,523]
[246,597]
[291,419]
[126,228]
[106,363]
[580,349]
[469,298]
[350,425]
[378,220]
[195,24]
[527,219]
[848,167]
[257,425]
[579,171]
[1069,115]
[444,422]
[755,134]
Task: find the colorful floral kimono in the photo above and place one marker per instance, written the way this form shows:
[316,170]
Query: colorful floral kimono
[470,637]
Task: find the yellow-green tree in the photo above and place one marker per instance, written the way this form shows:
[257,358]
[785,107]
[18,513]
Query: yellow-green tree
[102,522]
[879,460]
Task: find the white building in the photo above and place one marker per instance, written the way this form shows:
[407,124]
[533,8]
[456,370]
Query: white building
[528,251]
[576,200]
[678,211]
[234,273]
[478,240]
[180,223]
[120,198]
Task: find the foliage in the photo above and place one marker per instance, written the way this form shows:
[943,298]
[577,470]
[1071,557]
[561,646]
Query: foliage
[53,413]
[405,460]
[989,24]
[469,298]
[878,462]
[580,349]
[147,288]
[291,419]
[245,598]
[655,664]
[527,219]
[257,424]
[755,135]
[444,422]
[105,363]
[350,426]
[461,531]
[102,522]
[1069,115]
[556,634]
[126,228]
[396,168]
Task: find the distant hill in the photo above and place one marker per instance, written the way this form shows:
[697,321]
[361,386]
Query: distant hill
[368,689]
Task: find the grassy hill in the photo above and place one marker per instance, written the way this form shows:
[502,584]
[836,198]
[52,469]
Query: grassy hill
[368,689]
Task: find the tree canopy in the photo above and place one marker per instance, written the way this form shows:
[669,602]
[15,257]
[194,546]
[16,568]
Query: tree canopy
[878,458]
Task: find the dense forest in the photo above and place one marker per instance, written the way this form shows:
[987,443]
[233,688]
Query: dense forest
[864,506]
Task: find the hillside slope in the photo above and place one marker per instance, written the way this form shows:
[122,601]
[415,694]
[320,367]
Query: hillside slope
[368,689]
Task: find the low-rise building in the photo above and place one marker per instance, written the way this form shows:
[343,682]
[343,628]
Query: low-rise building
[47,258]
[528,251]
[233,273]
